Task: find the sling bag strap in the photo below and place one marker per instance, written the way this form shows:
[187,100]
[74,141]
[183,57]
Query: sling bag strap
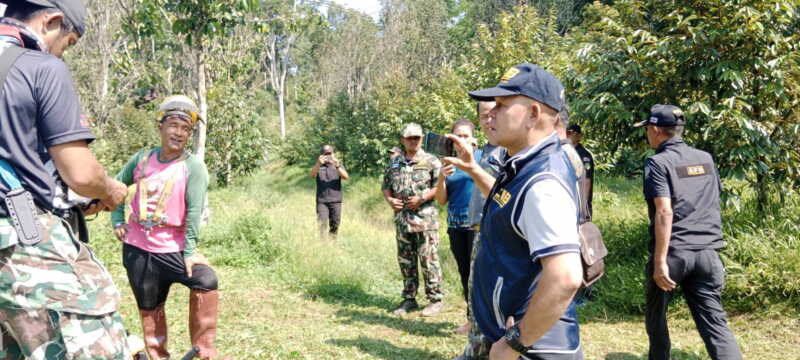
[146,218]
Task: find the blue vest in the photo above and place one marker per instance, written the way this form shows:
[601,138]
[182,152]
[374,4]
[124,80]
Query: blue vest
[505,274]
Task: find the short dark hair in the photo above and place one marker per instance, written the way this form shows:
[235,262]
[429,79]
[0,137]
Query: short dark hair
[25,11]
[463,122]
[322,149]
[673,131]
[563,116]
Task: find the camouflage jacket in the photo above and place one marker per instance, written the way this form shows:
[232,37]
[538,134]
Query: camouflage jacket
[406,178]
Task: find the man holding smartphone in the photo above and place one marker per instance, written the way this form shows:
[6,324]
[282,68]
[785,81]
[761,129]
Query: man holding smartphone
[329,173]
[409,186]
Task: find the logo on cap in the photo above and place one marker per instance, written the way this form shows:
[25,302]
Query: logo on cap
[509,74]
[653,120]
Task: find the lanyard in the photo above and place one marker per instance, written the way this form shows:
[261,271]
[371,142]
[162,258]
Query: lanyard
[8,175]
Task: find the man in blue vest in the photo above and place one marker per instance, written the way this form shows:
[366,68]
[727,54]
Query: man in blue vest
[528,268]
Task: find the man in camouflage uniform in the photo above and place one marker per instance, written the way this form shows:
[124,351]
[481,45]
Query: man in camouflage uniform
[56,300]
[409,186]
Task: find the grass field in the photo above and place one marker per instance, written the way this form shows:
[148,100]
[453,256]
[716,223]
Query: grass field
[287,295]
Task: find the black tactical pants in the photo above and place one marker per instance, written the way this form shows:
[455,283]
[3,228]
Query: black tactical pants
[701,276]
[329,214]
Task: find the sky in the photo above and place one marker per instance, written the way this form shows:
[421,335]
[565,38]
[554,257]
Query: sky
[370,7]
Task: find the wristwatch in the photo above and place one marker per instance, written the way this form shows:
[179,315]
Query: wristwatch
[512,339]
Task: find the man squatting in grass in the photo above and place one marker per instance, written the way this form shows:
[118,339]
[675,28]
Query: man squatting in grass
[528,268]
[455,189]
[682,186]
[57,301]
[328,172]
[409,187]
[161,234]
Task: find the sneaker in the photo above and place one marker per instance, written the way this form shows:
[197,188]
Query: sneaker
[433,308]
[406,306]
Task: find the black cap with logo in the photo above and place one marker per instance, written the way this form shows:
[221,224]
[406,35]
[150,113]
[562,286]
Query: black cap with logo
[527,80]
[663,116]
[74,11]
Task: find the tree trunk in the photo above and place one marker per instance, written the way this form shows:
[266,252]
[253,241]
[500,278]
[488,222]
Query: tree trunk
[200,134]
[282,112]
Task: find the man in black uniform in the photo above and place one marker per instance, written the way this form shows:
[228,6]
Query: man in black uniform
[575,135]
[682,186]
[329,173]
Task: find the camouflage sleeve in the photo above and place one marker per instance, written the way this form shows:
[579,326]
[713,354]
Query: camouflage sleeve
[385,184]
[196,192]
[436,167]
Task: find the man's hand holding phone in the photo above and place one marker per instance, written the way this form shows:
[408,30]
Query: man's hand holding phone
[464,159]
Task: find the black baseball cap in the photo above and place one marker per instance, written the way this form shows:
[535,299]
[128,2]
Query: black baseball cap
[527,80]
[74,11]
[663,116]
[575,128]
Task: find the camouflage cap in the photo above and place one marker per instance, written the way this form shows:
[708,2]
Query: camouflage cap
[411,130]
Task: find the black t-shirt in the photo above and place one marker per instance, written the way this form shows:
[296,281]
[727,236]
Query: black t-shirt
[39,109]
[329,185]
[689,178]
[587,159]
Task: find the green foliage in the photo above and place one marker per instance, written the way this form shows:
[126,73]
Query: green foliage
[137,126]
[236,144]
[731,65]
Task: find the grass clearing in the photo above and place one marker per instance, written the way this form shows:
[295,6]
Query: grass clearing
[287,295]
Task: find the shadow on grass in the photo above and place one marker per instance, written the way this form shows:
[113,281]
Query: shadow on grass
[676,354]
[407,324]
[349,294]
[384,349]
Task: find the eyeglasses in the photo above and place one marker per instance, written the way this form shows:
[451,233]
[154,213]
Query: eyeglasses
[414,138]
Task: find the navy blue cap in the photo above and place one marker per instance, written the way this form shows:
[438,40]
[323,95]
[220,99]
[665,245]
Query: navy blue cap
[74,11]
[663,116]
[527,80]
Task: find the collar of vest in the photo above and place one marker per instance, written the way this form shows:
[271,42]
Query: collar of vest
[545,147]
[669,142]
[15,29]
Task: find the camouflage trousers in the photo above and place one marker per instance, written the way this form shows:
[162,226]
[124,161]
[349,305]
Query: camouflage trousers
[51,335]
[478,346]
[56,300]
[423,247]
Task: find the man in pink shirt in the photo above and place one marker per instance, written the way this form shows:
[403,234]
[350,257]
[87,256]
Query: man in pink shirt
[161,233]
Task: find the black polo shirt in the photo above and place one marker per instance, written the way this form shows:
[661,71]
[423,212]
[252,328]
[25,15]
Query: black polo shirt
[329,185]
[689,178]
[39,109]
[587,159]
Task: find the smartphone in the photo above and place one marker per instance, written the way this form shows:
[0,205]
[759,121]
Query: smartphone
[438,145]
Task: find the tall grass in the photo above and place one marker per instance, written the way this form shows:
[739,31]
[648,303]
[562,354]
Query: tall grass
[266,221]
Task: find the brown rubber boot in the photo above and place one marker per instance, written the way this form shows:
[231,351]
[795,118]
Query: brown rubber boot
[203,311]
[154,329]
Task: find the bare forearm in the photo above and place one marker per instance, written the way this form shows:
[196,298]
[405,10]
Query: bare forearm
[441,191]
[314,171]
[663,231]
[80,170]
[552,297]
[343,173]
[482,179]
